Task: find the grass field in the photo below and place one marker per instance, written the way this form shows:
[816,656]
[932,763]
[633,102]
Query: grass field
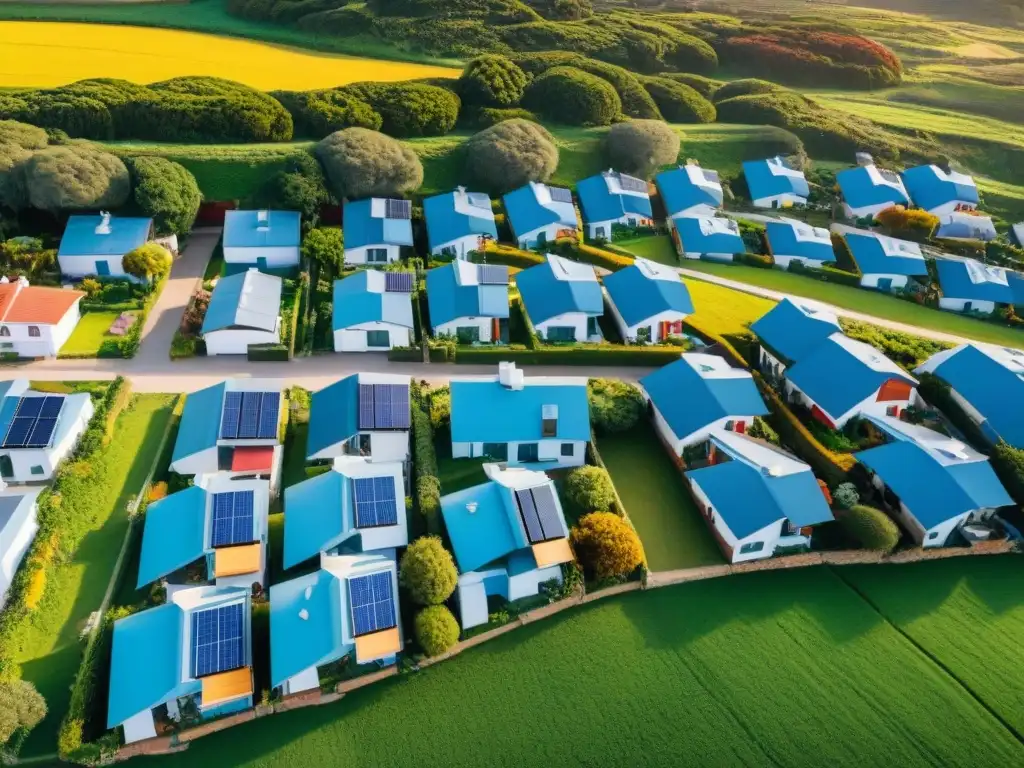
[655,496]
[89,334]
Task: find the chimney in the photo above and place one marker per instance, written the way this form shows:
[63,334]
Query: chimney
[263,220]
[771,471]
[304,614]
[864,159]
[103,228]
[471,507]
[505,373]
[517,379]
[549,421]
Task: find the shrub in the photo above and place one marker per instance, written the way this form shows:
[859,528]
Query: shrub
[590,489]
[492,81]
[428,492]
[428,571]
[300,186]
[22,135]
[748,87]
[640,147]
[21,706]
[510,154]
[409,109]
[606,545]
[678,102]
[488,116]
[615,406]
[1008,463]
[74,178]
[363,163]
[150,261]
[871,527]
[325,246]
[845,495]
[12,191]
[570,95]
[440,407]
[762,430]
[705,86]
[436,629]
[907,350]
[915,224]
[165,191]
[316,114]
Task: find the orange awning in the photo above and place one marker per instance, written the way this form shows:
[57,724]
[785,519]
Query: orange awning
[378,644]
[254,458]
[552,552]
[226,686]
[234,561]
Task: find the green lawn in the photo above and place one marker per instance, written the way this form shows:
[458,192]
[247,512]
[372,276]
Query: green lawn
[787,668]
[89,334]
[673,533]
[50,648]
[456,474]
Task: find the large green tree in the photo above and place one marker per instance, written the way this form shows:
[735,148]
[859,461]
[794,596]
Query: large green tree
[72,178]
[364,163]
[510,154]
[167,192]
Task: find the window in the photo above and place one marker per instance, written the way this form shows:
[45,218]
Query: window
[357,445]
[33,331]
[568,449]
[599,232]
[376,255]
[6,466]
[4,330]
[754,546]
[592,328]
[560,333]
[933,535]
[730,425]
[6,345]
[468,334]
[377,339]
[497,451]
[37,469]
[527,452]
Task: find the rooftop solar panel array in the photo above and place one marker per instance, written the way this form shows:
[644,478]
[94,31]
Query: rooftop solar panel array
[372,601]
[250,415]
[539,512]
[233,518]
[398,282]
[560,194]
[384,406]
[398,209]
[375,501]
[32,422]
[217,640]
[493,274]
[632,183]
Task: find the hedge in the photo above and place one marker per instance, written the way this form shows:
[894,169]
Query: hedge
[405,354]
[428,486]
[590,354]
[267,353]
[871,527]
[495,253]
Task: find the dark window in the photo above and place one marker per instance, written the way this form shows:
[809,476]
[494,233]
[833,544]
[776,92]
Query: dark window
[225,455]
[376,255]
[467,334]
[933,535]
[568,449]
[548,427]
[561,333]
[592,327]
[497,451]
[377,339]
[6,466]
[37,469]
[4,330]
[527,452]
[33,331]
[754,546]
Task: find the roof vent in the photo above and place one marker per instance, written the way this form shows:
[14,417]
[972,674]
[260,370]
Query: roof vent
[103,228]
[772,471]
[471,507]
[263,220]
[308,593]
[304,614]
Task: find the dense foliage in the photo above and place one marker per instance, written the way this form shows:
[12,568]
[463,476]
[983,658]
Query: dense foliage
[72,178]
[409,109]
[913,224]
[17,142]
[871,527]
[22,135]
[845,495]
[149,261]
[510,154]
[606,545]
[427,571]
[590,489]
[572,96]
[316,114]
[21,707]
[326,247]
[492,81]
[746,87]
[299,186]
[705,86]
[364,163]
[678,102]
[436,630]
[640,147]
[615,406]
[165,191]
[903,348]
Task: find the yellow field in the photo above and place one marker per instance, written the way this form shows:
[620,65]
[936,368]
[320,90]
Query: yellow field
[46,54]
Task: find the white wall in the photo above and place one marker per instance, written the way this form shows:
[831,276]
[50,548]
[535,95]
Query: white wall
[694,438]
[49,341]
[139,727]
[461,246]
[276,256]
[548,450]
[304,681]
[769,535]
[871,281]
[14,543]
[84,266]
[528,240]
[869,406]
[354,339]
[236,342]
[197,463]
[653,322]
[779,201]
[577,320]
[389,446]
[782,262]
[632,220]
[958,305]
[528,584]
[485,324]
[951,207]
[358,255]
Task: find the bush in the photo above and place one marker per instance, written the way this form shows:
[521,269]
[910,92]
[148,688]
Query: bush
[903,348]
[21,706]
[436,629]
[428,571]
[914,224]
[510,154]
[606,545]
[362,163]
[325,246]
[590,489]
[640,147]
[316,114]
[74,178]
[705,86]
[150,261]
[492,81]
[762,430]
[166,192]
[615,405]
[871,527]
[572,96]
[409,109]
[22,135]
[12,191]
[300,186]
[440,407]
[748,87]
[845,496]
[678,102]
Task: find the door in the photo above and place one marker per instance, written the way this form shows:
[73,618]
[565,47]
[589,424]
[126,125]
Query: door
[102,268]
[6,466]
[378,339]
[542,239]
[885,284]
[261,263]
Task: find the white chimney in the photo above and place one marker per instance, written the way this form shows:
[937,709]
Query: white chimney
[517,379]
[308,593]
[103,228]
[4,280]
[471,507]
[262,219]
[504,373]
[304,614]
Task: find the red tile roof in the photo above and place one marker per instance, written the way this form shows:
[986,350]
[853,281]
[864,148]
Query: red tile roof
[35,304]
[252,458]
[7,291]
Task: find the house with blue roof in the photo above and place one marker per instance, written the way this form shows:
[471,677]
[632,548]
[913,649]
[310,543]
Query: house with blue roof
[542,421]
[648,300]
[19,524]
[698,395]
[373,311]
[689,190]
[934,484]
[458,223]
[563,299]
[708,237]
[775,183]
[538,214]
[244,309]
[348,609]
[263,239]
[755,497]
[215,531]
[791,240]
[789,331]
[611,198]
[469,302]
[376,230]
[92,246]
[964,225]
[885,263]
[841,378]
[194,652]
[365,414]
[355,506]
[987,382]
[868,189]
[231,427]
[970,286]
[940,191]
[509,536]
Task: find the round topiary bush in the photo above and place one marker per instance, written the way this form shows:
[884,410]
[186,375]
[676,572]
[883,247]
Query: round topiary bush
[590,489]
[428,571]
[165,191]
[409,109]
[615,406]
[871,527]
[150,261]
[436,630]
[606,545]
[640,147]
[364,163]
[510,154]
[74,178]
[22,135]
[678,102]
[748,87]
[572,96]
[492,81]
[705,86]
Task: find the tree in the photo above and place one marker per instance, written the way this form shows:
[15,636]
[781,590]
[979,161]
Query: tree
[74,178]
[21,706]
[410,109]
[12,188]
[572,96]
[492,81]
[167,192]
[510,154]
[149,261]
[615,406]
[325,246]
[915,223]
[678,102]
[301,187]
[364,163]
[436,629]
[590,489]
[318,113]
[640,147]
[428,571]
[871,527]
[606,545]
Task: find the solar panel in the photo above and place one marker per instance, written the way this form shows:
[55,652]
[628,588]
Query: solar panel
[269,409]
[229,418]
[32,421]
[217,640]
[560,194]
[375,501]
[366,410]
[398,209]
[632,183]
[29,407]
[42,432]
[249,421]
[547,512]
[493,274]
[17,435]
[384,406]
[398,282]
[528,512]
[372,601]
[233,518]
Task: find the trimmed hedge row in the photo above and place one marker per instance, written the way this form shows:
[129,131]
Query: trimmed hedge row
[428,485]
[593,354]
[267,353]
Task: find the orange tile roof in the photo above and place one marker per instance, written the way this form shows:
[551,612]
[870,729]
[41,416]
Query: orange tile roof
[7,291]
[36,304]
[252,458]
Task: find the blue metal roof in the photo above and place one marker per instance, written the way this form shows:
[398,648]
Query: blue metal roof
[763,183]
[80,238]
[174,534]
[934,493]
[637,296]
[695,241]
[333,415]
[956,283]
[525,214]
[966,226]
[445,223]
[678,193]
[545,296]
[486,534]
[487,412]
[448,300]
[355,303]
[782,237]
[298,643]
[222,311]
[871,258]
[860,191]
[597,203]
[362,229]
[242,229]
[929,190]
[200,422]
[689,402]
[315,514]
[791,332]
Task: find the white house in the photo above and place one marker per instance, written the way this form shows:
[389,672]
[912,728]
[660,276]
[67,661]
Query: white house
[469,302]
[36,321]
[774,183]
[790,240]
[885,263]
[941,190]
[458,223]
[707,237]
[970,286]
[18,526]
[376,230]
[94,245]
[263,239]
[538,214]
[648,301]
[373,311]
[790,330]
[611,198]
[689,190]
[562,299]
[868,190]
[244,309]
[365,414]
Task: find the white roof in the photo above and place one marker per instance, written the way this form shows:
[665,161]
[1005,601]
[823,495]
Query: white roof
[542,193]
[713,366]
[652,270]
[867,354]
[260,302]
[572,271]
[943,448]
[758,454]
[715,225]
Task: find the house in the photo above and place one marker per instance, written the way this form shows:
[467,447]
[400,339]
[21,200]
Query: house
[244,309]
[713,238]
[970,286]
[18,526]
[935,484]
[458,223]
[262,239]
[940,191]
[841,378]
[231,427]
[868,189]
[700,394]
[38,429]
[193,653]
[373,311]
[961,225]
[790,240]
[756,498]
[469,302]
[648,301]
[365,414]
[611,198]
[94,245]
[36,321]
[538,214]
[221,521]
[689,190]
[509,536]
[376,230]
[987,382]
[774,183]
[346,609]
[563,299]
[541,420]
[355,506]
[789,331]
[885,263]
